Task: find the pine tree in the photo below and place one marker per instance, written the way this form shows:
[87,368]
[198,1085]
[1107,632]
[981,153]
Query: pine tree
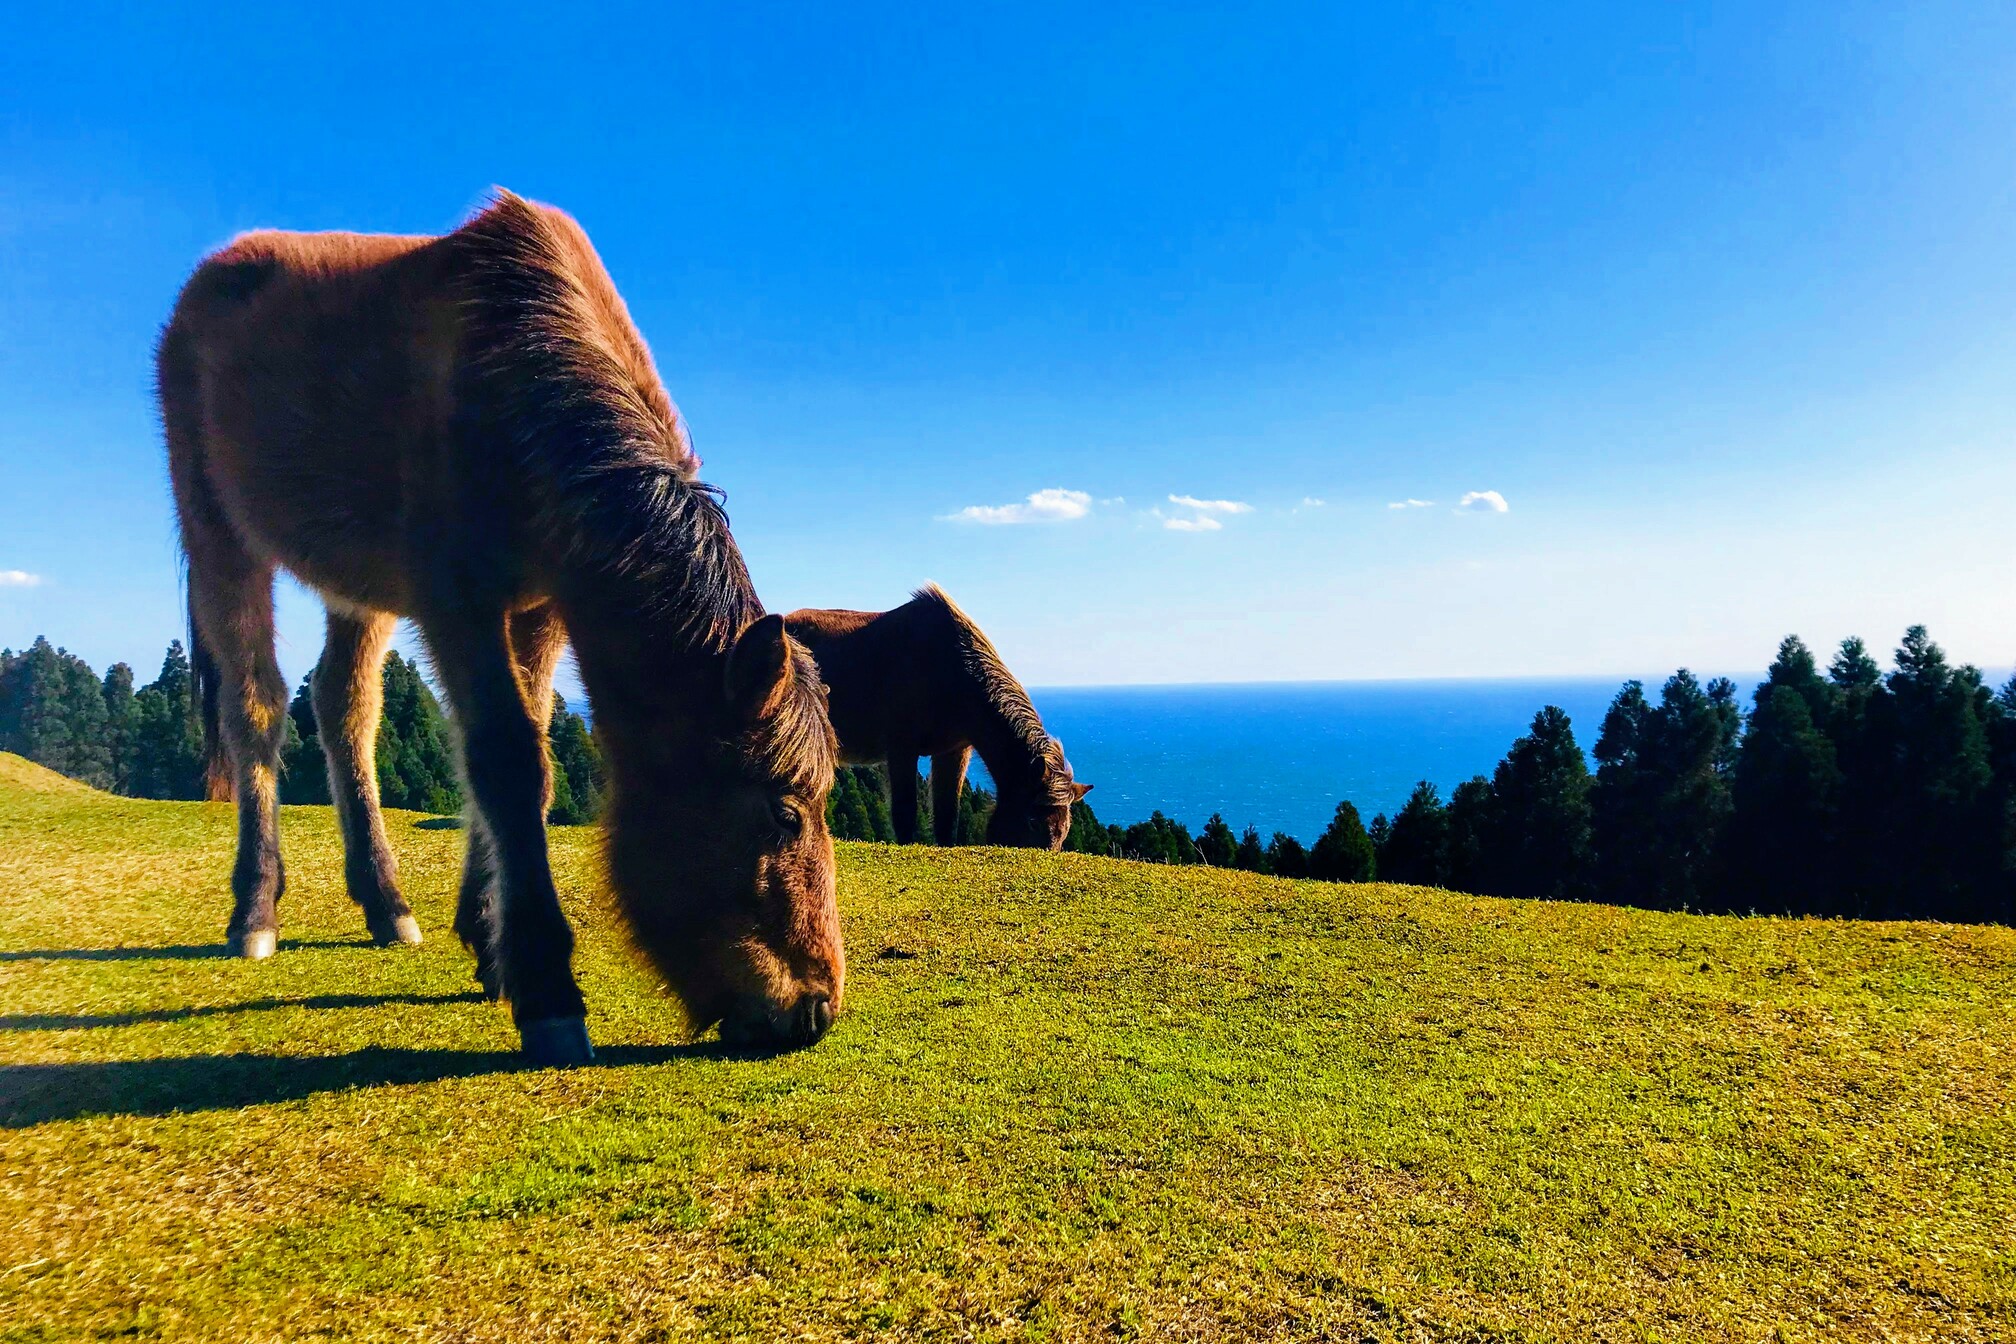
[304,772]
[1660,800]
[1286,857]
[121,720]
[1216,842]
[1344,852]
[1381,834]
[1159,840]
[167,739]
[1087,835]
[1417,850]
[1784,793]
[1469,824]
[52,711]
[1252,855]
[416,770]
[1937,839]
[577,768]
[1538,835]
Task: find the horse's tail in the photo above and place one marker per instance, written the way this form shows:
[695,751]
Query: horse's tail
[217,785]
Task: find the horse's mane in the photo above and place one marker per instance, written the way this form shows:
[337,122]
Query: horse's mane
[562,374]
[978,656]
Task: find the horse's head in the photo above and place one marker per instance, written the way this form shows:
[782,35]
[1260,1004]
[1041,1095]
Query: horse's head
[1040,819]
[724,864]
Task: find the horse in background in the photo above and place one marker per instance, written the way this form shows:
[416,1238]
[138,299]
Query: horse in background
[469,431]
[923,680]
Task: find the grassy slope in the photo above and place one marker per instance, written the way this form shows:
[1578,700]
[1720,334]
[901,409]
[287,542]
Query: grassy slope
[1070,1098]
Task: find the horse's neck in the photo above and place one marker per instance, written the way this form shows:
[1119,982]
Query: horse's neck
[1012,755]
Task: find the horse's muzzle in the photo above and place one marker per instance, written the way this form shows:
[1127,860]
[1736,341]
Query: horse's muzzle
[758,1025]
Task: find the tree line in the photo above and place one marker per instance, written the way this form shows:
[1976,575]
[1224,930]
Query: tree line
[1845,791]
[57,712]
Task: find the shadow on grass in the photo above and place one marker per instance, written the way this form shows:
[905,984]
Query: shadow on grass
[34,1094]
[174,951]
[84,1021]
[438,824]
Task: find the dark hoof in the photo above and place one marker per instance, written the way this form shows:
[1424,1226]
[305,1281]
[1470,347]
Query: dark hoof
[493,984]
[257,945]
[556,1042]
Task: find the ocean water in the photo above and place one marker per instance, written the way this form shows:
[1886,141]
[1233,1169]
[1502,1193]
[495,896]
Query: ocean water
[1279,756]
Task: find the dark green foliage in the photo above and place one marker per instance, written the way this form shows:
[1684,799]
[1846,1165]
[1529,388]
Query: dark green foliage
[52,711]
[1159,840]
[1286,857]
[304,773]
[1784,794]
[1252,855]
[1537,835]
[1344,852]
[1416,848]
[1087,835]
[1469,823]
[858,806]
[416,770]
[121,721]
[577,768]
[1661,794]
[1216,843]
[167,759]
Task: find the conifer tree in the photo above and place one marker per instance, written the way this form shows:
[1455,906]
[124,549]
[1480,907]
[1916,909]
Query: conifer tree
[1216,843]
[1937,838]
[1087,835]
[304,771]
[1784,793]
[1538,835]
[1417,850]
[121,719]
[416,770]
[1286,857]
[52,711]
[167,739]
[1252,855]
[1344,852]
[577,768]
[1469,824]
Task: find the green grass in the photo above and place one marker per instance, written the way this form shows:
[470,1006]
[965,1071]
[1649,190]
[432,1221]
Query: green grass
[1069,1099]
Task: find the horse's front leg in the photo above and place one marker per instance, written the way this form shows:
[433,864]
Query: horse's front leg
[349,694]
[505,764]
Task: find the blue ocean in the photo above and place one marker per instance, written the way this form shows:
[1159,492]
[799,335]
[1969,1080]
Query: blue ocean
[1280,755]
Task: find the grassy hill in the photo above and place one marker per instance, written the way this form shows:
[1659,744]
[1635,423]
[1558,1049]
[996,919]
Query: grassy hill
[1070,1099]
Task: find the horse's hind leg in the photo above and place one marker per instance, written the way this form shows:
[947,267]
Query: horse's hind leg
[349,695]
[231,608]
[948,774]
[537,640]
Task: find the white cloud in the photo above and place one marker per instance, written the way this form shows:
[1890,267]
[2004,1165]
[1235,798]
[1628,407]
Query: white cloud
[1211,505]
[1412,504]
[18,578]
[1045,506]
[1311,502]
[1202,523]
[1484,501]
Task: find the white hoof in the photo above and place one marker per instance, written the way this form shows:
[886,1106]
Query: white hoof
[407,930]
[258,944]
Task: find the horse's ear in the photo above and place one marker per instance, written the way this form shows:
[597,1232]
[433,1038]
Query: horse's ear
[758,666]
[1082,789]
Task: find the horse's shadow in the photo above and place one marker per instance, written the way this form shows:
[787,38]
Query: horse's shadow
[172,952]
[34,1094]
[86,1021]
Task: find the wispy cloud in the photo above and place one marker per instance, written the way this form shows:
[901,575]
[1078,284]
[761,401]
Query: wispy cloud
[1311,502]
[18,578]
[1201,523]
[1483,501]
[1054,505]
[1210,505]
[1412,504]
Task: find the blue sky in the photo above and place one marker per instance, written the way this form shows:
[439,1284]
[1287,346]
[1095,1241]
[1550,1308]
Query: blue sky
[1718,302]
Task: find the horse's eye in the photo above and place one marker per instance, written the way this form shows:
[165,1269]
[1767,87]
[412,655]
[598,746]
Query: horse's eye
[786,818]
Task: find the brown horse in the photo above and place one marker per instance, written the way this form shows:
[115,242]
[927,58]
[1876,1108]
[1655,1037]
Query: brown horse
[469,431]
[922,680]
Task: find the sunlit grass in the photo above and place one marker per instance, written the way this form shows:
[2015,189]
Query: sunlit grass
[1070,1098]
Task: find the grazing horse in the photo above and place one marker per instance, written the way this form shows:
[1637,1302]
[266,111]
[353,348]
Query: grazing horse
[922,680]
[468,430]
